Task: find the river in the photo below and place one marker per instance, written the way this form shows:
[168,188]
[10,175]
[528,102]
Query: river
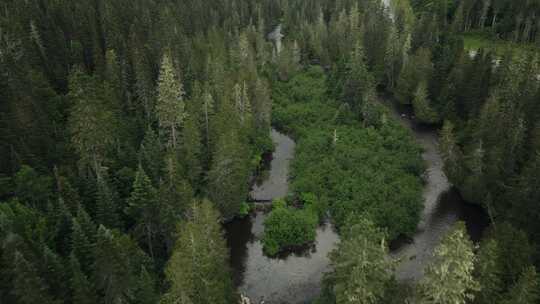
[296,277]
[443,205]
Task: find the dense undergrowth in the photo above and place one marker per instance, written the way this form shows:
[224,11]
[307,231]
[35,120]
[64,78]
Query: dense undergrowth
[348,168]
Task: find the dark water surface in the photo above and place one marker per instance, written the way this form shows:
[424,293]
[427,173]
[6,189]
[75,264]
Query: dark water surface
[296,277]
[275,183]
[443,205]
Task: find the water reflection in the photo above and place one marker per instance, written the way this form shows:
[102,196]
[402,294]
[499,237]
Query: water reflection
[274,182]
[443,205]
[294,277]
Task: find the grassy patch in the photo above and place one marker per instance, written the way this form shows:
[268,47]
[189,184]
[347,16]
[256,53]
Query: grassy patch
[484,40]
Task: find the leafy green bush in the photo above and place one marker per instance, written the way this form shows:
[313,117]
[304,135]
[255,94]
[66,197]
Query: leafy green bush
[244,209]
[287,227]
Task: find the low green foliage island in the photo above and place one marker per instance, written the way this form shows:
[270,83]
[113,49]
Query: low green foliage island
[287,227]
[346,165]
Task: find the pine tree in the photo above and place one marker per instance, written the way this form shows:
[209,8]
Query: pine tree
[82,290]
[525,291]
[33,188]
[146,293]
[87,225]
[29,287]
[82,246]
[422,107]
[449,277]
[144,86]
[358,81]
[192,150]
[170,102]
[143,209]
[151,154]
[288,61]
[487,271]
[263,106]
[106,202]
[242,103]
[417,69]
[198,270]
[68,193]
[92,120]
[113,76]
[229,174]
[362,271]
[516,254]
[175,195]
[208,108]
[54,272]
[117,264]
[61,216]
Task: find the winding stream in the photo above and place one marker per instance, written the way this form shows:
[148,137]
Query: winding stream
[296,277]
[443,205]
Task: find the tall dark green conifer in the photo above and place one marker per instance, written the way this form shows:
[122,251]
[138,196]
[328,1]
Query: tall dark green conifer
[82,290]
[29,287]
[144,210]
[198,270]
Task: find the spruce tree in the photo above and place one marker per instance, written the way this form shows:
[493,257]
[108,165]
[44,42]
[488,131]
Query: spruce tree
[419,68]
[87,225]
[487,271]
[198,270]
[28,286]
[525,291]
[358,84]
[175,195]
[116,267]
[362,271]
[146,293]
[143,209]
[106,203]
[92,120]
[448,278]
[82,290]
[192,150]
[170,101]
[68,193]
[82,246]
[229,174]
[422,106]
[54,273]
[151,155]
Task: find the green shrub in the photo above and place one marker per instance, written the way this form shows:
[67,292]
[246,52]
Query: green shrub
[287,227]
[245,208]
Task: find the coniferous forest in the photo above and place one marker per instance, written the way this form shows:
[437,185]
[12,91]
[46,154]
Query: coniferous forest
[132,132]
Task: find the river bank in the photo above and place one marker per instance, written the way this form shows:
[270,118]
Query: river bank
[443,205]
